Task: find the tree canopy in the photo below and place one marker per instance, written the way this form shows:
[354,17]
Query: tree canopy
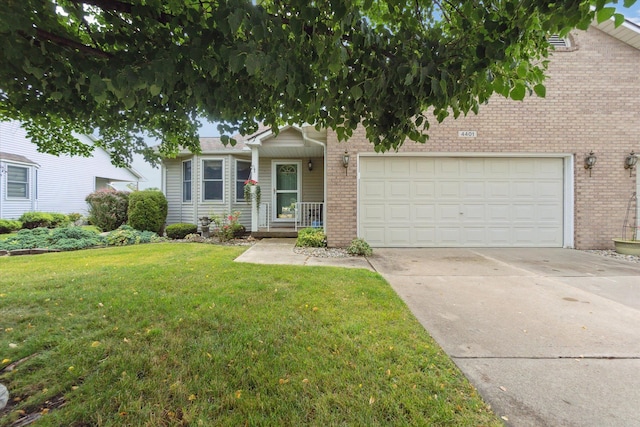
[122,67]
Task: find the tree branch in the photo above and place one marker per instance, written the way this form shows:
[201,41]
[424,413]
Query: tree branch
[43,35]
[121,7]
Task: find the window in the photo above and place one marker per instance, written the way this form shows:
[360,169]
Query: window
[17,182]
[243,173]
[212,183]
[186,181]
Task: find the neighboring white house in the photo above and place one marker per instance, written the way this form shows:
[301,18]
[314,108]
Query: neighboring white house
[34,181]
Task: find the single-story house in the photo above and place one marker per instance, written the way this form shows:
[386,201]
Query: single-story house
[514,175]
[35,181]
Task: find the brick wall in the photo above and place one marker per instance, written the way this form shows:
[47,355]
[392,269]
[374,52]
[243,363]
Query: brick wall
[592,103]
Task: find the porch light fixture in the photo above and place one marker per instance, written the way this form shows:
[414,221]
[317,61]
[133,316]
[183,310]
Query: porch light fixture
[310,165]
[345,161]
[630,161]
[590,161]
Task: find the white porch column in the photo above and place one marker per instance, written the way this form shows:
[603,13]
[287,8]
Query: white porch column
[255,164]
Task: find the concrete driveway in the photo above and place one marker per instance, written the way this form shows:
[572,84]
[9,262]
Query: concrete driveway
[549,337]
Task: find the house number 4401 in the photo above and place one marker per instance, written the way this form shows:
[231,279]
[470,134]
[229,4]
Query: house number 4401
[467,133]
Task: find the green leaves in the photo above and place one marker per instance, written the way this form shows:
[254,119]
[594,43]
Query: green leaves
[156,66]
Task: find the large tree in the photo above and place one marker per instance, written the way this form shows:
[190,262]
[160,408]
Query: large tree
[122,67]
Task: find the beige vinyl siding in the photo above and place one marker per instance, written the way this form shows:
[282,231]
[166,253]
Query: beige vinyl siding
[179,211]
[313,181]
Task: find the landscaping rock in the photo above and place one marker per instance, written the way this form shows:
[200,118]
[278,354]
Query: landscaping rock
[3,253]
[4,396]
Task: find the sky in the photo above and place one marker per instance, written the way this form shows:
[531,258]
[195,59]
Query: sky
[153,176]
[632,13]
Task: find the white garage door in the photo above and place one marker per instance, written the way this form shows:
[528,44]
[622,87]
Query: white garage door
[471,202]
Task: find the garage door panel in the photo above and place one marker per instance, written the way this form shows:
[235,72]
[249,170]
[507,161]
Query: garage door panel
[473,190]
[426,201]
[424,214]
[398,190]
[424,190]
[399,213]
[372,190]
[474,213]
[447,213]
[424,236]
[448,190]
[372,213]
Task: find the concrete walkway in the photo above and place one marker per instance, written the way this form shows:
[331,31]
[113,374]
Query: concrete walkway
[549,337]
[280,251]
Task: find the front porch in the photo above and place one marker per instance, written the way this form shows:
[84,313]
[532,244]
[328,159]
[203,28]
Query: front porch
[302,214]
[289,169]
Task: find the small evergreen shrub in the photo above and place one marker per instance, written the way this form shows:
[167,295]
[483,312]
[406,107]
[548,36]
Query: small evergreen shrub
[31,220]
[9,226]
[359,247]
[108,208]
[180,230]
[66,239]
[127,235]
[147,210]
[311,238]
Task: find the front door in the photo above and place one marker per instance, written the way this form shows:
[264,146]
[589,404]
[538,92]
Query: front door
[286,189]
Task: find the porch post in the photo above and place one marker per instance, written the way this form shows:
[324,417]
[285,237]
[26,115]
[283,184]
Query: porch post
[255,163]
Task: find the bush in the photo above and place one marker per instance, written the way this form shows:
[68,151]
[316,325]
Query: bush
[180,230]
[66,239]
[75,218]
[108,208]
[59,220]
[31,220]
[9,226]
[227,226]
[359,247]
[127,235]
[311,238]
[147,210]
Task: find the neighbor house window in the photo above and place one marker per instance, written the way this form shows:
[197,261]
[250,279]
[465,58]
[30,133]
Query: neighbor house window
[17,182]
[212,182]
[243,173]
[186,181]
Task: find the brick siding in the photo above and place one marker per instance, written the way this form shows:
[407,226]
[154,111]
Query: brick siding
[592,103]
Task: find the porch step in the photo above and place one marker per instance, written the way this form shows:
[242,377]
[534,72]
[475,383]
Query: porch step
[274,233]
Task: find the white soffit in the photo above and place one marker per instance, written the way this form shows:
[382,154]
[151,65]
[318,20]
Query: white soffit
[628,32]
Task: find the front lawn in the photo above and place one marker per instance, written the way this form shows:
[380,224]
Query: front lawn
[179,334]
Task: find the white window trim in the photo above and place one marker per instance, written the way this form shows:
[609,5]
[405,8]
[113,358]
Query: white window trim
[224,192]
[235,181]
[182,181]
[27,183]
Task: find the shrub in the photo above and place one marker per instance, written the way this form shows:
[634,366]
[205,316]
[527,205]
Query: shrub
[75,218]
[108,208]
[180,230]
[147,210]
[66,239]
[59,220]
[31,220]
[227,226]
[359,247]
[9,226]
[127,235]
[312,238]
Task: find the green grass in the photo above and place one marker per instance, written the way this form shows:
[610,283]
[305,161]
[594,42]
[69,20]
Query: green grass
[178,334]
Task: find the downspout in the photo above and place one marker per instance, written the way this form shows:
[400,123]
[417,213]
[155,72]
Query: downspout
[255,165]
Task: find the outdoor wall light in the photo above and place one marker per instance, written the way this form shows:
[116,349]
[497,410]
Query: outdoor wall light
[590,161]
[345,161]
[630,161]
[310,165]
